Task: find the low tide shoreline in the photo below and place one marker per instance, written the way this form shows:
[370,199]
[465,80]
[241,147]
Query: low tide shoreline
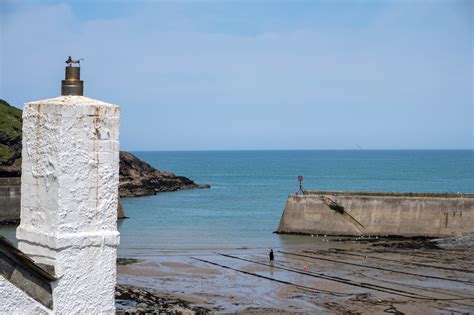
[332,277]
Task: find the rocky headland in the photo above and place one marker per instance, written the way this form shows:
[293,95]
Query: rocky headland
[137,178]
[10,140]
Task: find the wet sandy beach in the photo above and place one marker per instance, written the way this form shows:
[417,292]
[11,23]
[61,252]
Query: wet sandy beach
[329,277]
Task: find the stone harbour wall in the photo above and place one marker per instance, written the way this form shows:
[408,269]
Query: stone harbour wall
[10,199]
[381,214]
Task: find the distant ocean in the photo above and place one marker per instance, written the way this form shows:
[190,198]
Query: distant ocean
[249,190]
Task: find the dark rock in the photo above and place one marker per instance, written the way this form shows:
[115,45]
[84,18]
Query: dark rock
[127,261]
[145,302]
[138,178]
[10,140]
[421,243]
[11,168]
[10,222]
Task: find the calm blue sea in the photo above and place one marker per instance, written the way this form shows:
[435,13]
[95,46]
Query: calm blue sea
[249,190]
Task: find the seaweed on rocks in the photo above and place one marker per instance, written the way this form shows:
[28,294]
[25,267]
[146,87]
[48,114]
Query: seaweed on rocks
[127,261]
[415,243]
[10,222]
[135,300]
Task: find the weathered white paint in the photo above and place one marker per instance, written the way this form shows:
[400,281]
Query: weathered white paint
[70,172]
[15,301]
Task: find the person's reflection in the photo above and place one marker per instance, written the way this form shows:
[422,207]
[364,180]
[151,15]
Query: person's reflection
[272,257]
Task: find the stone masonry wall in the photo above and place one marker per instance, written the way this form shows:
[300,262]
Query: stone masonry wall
[9,199]
[430,215]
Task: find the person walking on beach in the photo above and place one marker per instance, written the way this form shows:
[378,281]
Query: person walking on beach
[271,255]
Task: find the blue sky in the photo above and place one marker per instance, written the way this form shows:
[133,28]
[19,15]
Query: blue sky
[198,75]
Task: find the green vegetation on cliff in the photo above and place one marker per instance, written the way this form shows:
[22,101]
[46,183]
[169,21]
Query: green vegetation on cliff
[10,133]
[137,178]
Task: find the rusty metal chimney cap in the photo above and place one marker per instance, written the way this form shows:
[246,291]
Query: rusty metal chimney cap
[72,84]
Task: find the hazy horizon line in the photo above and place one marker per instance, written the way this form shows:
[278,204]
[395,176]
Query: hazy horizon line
[250,150]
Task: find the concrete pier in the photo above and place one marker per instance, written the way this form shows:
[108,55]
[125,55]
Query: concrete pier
[382,214]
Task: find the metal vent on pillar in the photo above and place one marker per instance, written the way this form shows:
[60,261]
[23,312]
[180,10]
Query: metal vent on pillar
[72,84]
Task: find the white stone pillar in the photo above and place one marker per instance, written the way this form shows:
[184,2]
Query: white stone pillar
[69,195]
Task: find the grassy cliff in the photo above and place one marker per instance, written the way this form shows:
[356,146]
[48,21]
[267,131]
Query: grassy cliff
[10,133]
[137,178]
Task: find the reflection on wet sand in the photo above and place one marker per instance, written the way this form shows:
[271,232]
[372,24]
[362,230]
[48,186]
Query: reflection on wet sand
[316,275]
